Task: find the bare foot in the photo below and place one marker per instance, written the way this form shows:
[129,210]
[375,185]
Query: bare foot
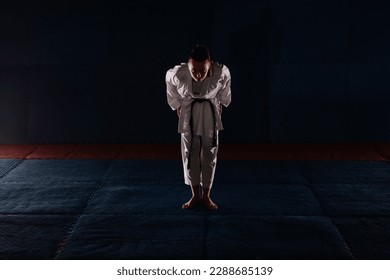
[190,203]
[209,203]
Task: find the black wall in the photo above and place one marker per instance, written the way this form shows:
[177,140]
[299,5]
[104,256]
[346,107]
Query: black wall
[93,71]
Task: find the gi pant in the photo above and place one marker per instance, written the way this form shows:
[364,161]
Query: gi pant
[199,157]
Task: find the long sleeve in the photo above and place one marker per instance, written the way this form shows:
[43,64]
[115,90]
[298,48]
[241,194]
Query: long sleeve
[224,95]
[173,97]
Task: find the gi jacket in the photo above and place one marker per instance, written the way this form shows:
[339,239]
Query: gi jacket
[179,92]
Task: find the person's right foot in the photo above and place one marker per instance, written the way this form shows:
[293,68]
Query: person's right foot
[192,202]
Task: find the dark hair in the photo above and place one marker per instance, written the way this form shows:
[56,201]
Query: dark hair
[200,53]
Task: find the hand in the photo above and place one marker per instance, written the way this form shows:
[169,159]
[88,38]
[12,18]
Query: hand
[220,108]
[178,111]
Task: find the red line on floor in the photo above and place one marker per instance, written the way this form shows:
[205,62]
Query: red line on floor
[375,152]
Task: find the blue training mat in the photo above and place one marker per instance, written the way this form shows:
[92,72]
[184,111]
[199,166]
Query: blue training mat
[131,209]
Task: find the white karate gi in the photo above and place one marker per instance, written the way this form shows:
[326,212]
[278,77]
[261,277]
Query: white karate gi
[198,147]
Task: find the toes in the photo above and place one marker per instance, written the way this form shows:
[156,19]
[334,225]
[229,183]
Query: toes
[185,206]
[212,206]
[190,204]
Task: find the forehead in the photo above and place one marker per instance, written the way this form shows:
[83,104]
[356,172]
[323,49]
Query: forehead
[198,64]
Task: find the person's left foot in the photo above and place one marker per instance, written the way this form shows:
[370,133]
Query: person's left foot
[209,203]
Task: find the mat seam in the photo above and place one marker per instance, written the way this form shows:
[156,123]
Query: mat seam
[325,215]
[310,186]
[192,215]
[31,152]
[204,237]
[62,244]
[11,166]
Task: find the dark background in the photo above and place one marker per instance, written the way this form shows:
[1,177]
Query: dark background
[93,71]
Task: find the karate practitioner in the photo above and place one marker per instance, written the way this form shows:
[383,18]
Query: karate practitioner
[197,90]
